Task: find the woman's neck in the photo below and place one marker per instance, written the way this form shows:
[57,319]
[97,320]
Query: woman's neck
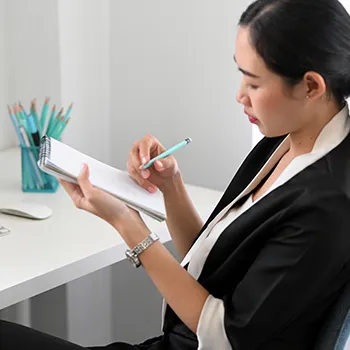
[303,140]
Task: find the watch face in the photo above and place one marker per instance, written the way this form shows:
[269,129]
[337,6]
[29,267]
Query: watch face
[132,258]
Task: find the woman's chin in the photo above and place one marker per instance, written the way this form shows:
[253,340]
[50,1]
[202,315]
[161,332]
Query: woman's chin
[269,133]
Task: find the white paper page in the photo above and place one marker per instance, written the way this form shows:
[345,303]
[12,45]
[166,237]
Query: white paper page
[104,176]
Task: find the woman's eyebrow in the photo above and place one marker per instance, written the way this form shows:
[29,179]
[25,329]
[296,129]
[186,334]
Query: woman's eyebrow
[246,72]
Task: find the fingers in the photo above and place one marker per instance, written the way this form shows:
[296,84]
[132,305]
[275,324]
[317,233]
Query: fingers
[74,192]
[68,186]
[134,156]
[84,183]
[142,150]
[83,193]
[78,198]
[148,144]
[137,177]
[140,154]
[165,164]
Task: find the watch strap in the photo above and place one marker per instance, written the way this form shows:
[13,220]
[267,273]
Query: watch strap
[132,254]
[143,245]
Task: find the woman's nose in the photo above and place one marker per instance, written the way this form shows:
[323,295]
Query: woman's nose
[239,96]
[242,96]
[240,93]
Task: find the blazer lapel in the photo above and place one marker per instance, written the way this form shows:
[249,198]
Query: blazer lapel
[247,171]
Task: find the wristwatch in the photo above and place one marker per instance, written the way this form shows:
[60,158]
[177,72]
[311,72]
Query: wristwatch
[132,254]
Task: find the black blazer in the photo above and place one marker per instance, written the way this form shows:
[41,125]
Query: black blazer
[281,264]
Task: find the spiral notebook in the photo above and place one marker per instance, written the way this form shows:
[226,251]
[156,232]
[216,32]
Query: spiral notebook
[63,161]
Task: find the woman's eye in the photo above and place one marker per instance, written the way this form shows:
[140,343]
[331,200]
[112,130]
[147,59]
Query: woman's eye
[254,87]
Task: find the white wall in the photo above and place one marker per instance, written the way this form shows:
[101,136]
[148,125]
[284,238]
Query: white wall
[33,62]
[173,76]
[84,50]
[6,138]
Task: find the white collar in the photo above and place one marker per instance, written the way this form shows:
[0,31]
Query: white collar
[334,132]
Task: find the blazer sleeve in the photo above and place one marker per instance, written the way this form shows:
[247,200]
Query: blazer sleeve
[309,247]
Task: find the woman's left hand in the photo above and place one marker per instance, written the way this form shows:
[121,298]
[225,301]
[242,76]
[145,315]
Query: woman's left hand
[98,202]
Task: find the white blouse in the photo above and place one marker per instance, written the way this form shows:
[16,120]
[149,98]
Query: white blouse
[211,332]
[198,259]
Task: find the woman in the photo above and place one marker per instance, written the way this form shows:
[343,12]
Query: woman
[264,270]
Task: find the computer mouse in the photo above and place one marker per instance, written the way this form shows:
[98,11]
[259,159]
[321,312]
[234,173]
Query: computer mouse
[28,210]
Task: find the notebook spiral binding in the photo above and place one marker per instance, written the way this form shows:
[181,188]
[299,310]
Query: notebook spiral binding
[45,149]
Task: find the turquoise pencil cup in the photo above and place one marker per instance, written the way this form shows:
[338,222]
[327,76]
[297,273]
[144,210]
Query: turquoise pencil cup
[33,179]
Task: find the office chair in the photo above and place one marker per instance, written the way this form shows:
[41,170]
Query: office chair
[335,334]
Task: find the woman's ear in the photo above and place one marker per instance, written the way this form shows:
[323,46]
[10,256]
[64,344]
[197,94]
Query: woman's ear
[315,86]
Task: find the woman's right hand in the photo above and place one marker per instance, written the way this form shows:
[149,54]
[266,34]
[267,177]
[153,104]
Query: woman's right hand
[161,172]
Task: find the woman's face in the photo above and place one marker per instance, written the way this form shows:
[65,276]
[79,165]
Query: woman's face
[275,108]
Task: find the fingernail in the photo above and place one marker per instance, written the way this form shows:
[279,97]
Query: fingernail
[82,168]
[151,189]
[144,174]
[144,160]
[160,165]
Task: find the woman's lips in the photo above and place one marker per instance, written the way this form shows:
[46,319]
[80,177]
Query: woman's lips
[252,119]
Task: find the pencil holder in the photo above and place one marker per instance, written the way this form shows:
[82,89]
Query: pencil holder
[33,179]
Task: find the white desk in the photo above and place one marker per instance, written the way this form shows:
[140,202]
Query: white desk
[40,255]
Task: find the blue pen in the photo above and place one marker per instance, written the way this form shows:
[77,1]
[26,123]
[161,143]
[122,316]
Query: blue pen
[168,152]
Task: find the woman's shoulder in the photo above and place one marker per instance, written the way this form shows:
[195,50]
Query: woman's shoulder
[329,177]
[320,184]
[320,208]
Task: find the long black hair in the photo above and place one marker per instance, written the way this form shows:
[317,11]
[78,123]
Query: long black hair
[297,36]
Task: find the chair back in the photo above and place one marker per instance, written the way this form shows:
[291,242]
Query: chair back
[336,330]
